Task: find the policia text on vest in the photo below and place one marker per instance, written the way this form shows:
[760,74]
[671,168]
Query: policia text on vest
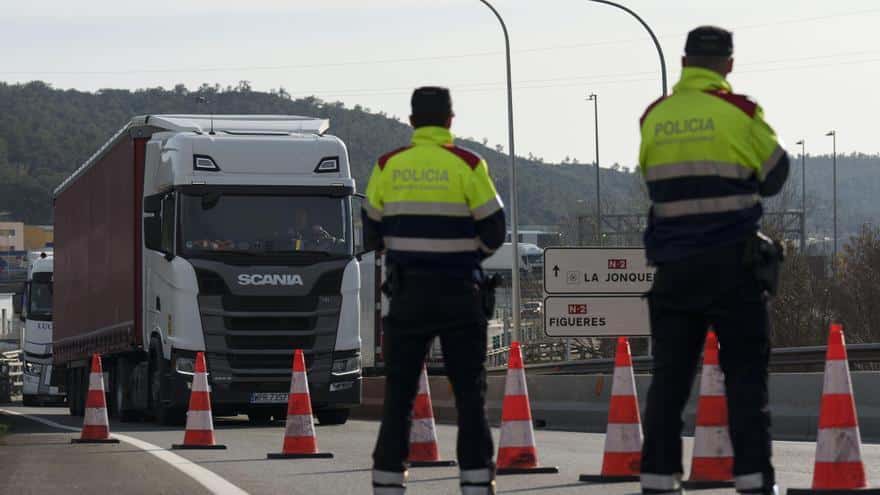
[432,207]
[708,156]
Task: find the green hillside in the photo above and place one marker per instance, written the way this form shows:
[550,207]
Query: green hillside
[46,133]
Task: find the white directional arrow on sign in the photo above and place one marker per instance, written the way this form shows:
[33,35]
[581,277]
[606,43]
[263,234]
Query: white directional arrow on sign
[596,271]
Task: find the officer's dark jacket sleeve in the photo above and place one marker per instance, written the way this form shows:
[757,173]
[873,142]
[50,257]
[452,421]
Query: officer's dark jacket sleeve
[372,213]
[487,210]
[775,162]
[776,177]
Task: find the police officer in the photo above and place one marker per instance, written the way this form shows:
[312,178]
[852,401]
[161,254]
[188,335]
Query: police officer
[434,210]
[708,157]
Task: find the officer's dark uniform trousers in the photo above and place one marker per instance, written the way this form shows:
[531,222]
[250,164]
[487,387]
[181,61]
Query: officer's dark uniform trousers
[712,289]
[425,305]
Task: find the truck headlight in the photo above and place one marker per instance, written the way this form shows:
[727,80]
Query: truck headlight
[185,365]
[346,365]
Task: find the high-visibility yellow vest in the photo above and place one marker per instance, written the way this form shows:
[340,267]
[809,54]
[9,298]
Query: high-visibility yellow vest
[429,199]
[706,156]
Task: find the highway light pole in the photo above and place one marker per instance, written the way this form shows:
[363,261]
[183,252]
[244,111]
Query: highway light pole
[803,196]
[833,134]
[514,217]
[595,99]
[650,32]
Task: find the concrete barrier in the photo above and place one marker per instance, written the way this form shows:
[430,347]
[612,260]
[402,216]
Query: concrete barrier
[580,402]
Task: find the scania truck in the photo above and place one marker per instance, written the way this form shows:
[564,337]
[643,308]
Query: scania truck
[226,234]
[36,341]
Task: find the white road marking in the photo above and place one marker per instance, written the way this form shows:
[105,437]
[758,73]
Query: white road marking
[207,478]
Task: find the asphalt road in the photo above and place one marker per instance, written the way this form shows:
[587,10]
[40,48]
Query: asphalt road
[36,458]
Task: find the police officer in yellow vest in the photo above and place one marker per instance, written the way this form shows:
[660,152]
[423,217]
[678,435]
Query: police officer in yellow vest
[708,157]
[434,210]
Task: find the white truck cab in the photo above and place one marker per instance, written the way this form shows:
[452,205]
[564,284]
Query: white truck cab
[241,234]
[249,255]
[37,339]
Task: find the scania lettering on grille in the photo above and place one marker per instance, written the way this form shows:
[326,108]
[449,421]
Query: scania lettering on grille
[269,279]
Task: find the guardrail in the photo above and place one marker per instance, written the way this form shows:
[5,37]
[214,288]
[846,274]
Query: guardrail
[580,402]
[811,358]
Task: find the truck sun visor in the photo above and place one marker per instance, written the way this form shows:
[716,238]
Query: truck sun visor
[204,163]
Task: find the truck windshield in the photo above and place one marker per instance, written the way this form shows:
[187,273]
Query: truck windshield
[236,223]
[40,301]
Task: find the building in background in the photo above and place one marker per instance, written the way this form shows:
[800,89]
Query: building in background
[10,327]
[11,236]
[38,237]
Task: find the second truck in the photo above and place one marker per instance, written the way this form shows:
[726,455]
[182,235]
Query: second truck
[231,235]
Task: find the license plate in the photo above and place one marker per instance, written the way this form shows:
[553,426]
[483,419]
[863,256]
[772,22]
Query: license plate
[268,398]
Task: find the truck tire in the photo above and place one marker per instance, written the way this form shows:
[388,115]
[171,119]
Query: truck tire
[333,416]
[29,401]
[162,413]
[77,389]
[118,405]
[71,391]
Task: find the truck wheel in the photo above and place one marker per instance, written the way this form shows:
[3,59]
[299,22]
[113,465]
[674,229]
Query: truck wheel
[71,392]
[333,416]
[28,401]
[163,414]
[118,406]
[76,386]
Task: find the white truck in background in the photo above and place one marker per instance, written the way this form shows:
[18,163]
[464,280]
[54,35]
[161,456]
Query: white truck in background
[531,259]
[36,341]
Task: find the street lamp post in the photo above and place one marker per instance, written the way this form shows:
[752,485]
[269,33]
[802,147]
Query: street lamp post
[833,134]
[650,32]
[595,99]
[514,217]
[803,197]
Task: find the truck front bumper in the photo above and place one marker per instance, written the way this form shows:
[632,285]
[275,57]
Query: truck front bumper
[232,394]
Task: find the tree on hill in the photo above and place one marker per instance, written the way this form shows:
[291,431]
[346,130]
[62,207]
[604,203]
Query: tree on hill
[49,132]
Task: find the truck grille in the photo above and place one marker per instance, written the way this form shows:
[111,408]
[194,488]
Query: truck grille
[256,335]
[269,324]
[250,342]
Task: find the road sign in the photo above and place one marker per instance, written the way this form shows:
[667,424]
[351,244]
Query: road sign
[596,271]
[595,316]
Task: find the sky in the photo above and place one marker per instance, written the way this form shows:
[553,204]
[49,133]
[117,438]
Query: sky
[812,65]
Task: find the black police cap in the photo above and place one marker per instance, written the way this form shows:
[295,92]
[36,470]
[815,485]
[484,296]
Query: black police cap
[432,100]
[710,41]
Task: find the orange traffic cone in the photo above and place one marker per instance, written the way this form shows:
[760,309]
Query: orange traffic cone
[299,430]
[712,462]
[623,438]
[199,421]
[96,427]
[839,467]
[516,449]
[423,435]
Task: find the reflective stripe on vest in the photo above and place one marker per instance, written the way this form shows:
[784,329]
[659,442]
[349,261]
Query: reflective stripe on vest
[704,206]
[698,169]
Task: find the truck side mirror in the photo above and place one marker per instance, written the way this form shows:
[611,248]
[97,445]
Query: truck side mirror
[357,202]
[153,232]
[18,305]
